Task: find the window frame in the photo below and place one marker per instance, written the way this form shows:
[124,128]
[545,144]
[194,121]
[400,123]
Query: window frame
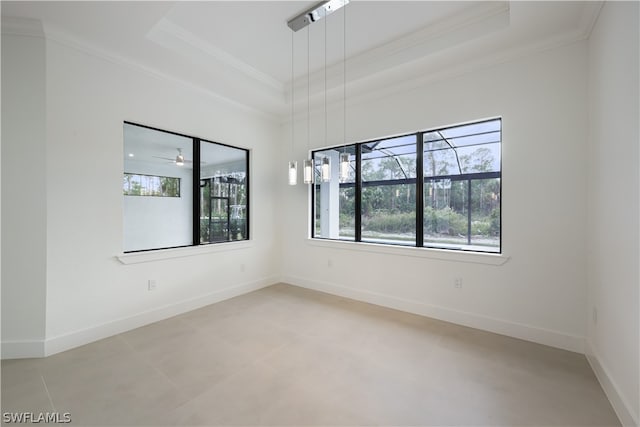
[468,177]
[195,189]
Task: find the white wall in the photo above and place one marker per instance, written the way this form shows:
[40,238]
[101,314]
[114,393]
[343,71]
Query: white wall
[613,232]
[158,222]
[540,293]
[89,293]
[23,193]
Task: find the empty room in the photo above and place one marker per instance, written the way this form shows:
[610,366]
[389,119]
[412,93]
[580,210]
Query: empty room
[406,213]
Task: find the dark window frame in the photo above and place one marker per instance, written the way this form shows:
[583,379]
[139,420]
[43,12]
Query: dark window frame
[196,144]
[420,183]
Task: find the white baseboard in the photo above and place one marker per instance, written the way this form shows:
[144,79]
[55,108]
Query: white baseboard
[620,404]
[499,326]
[16,350]
[22,349]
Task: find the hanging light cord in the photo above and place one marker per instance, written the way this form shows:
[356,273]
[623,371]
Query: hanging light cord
[292,87]
[344,73]
[308,88]
[325,82]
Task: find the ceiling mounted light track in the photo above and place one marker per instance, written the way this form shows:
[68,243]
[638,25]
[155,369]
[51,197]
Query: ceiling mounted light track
[316,13]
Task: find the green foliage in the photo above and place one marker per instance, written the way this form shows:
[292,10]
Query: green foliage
[384,222]
[346,220]
[444,221]
[494,228]
[390,209]
[480,228]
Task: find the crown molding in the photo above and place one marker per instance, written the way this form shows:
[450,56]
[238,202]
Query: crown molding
[399,65]
[470,24]
[589,17]
[391,84]
[26,27]
[34,28]
[180,40]
[369,87]
[398,80]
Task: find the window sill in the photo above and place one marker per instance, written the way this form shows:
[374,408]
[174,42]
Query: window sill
[439,254]
[162,254]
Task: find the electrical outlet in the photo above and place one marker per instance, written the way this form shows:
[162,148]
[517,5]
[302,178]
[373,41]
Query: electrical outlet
[152,284]
[458,283]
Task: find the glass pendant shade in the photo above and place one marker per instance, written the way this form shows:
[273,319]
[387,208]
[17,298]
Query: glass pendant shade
[293,173]
[325,172]
[344,166]
[308,171]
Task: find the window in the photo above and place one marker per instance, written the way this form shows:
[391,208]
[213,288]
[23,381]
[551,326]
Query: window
[335,216]
[185,211]
[455,204]
[149,185]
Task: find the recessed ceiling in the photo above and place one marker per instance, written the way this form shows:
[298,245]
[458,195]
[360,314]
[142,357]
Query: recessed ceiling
[242,50]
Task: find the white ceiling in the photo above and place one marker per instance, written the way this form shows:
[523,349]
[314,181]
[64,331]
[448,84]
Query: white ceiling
[242,50]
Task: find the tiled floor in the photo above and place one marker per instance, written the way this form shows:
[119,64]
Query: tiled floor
[288,356]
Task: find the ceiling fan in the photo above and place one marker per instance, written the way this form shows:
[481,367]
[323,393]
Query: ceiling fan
[179,160]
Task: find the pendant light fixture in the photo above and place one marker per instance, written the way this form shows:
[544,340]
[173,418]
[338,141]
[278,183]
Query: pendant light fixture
[344,166]
[293,172]
[344,156]
[293,165]
[308,164]
[325,169]
[317,12]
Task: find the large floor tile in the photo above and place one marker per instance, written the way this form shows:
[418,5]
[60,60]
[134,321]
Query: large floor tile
[288,356]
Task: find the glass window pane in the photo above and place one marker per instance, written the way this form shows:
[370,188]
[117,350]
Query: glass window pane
[334,200]
[223,193]
[461,173]
[484,158]
[462,196]
[388,214]
[472,129]
[485,213]
[388,192]
[445,213]
[156,222]
[389,159]
[463,149]
[441,162]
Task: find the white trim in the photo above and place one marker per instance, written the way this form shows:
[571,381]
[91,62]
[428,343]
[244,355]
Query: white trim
[620,404]
[22,349]
[388,79]
[162,254]
[34,28]
[170,35]
[590,15]
[404,251]
[470,23]
[499,326]
[17,26]
[84,336]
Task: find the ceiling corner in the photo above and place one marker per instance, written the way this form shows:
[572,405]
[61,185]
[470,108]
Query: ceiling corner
[22,26]
[589,17]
